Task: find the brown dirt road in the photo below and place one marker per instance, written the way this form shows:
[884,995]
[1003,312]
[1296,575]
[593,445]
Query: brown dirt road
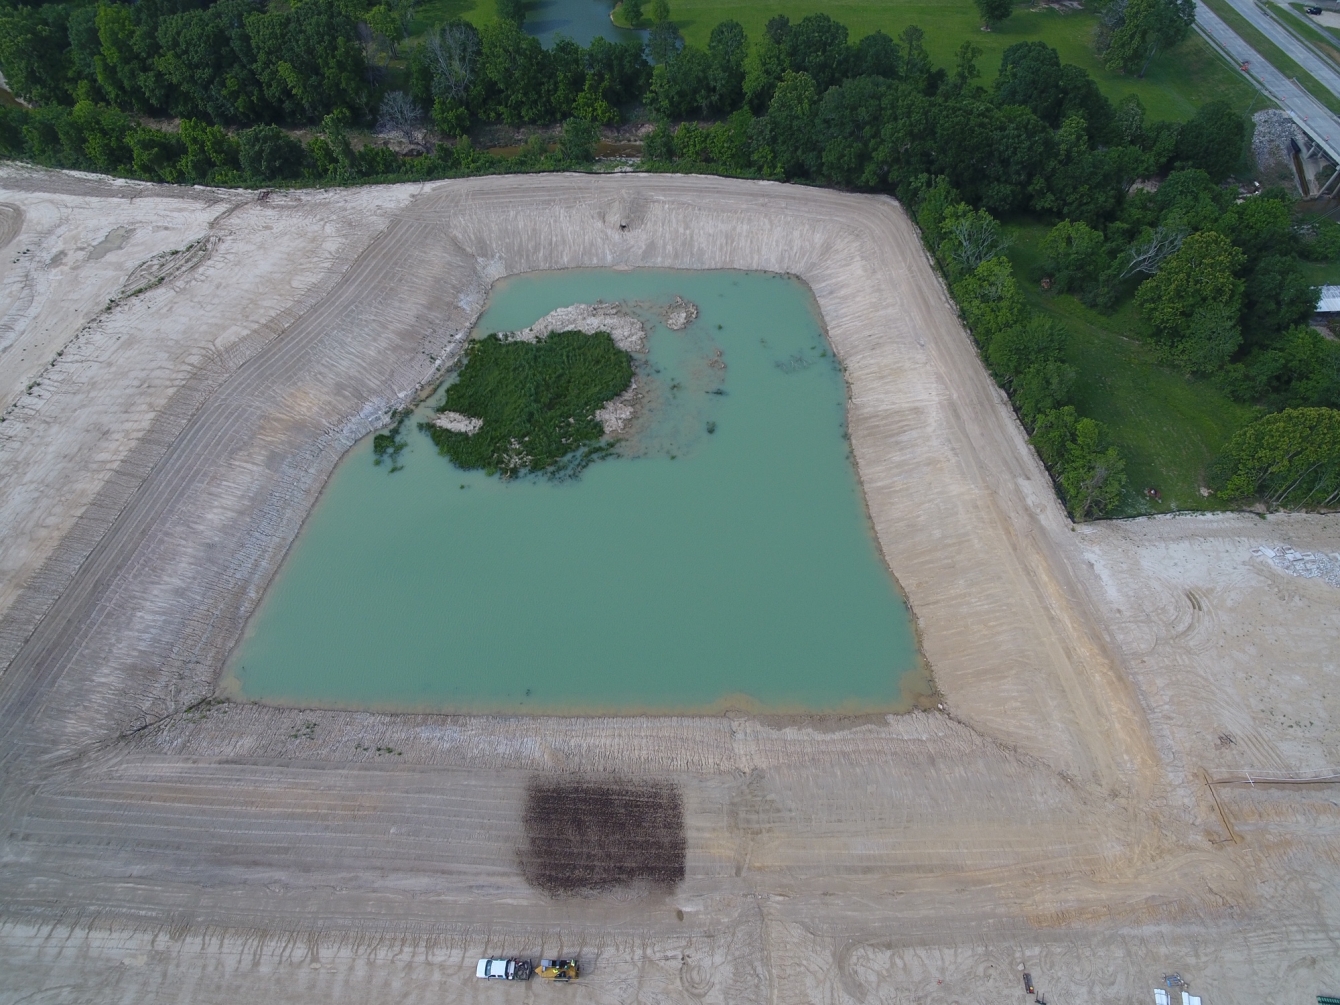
[1056,816]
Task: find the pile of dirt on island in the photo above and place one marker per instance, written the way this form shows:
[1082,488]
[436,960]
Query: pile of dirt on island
[586,835]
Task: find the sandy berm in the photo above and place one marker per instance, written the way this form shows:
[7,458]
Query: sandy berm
[1074,809]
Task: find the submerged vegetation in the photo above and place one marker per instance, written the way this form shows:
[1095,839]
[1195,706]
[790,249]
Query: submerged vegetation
[537,401]
[387,446]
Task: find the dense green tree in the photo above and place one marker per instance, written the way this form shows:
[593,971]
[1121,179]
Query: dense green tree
[990,301]
[567,76]
[308,61]
[664,41]
[1090,474]
[1189,200]
[511,11]
[692,143]
[935,199]
[766,63]
[728,142]
[1084,183]
[659,144]
[211,155]
[156,154]
[1279,295]
[33,42]
[917,67]
[997,157]
[1300,368]
[1319,239]
[1192,303]
[1081,96]
[1261,226]
[516,74]
[1093,474]
[1290,459]
[994,11]
[1041,388]
[1053,433]
[727,48]
[818,46]
[618,72]
[907,140]
[790,125]
[847,129]
[1212,140]
[1073,254]
[206,57]
[632,12]
[578,142]
[267,153]
[660,11]
[1030,75]
[877,55]
[681,87]
[1134,31]
[125,64]
[1016,350]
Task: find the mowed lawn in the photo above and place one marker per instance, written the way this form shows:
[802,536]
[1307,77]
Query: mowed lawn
[1167,426]
[1178,82]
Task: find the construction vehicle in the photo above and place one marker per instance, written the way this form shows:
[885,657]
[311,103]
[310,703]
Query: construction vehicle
[499,968]
[558,970]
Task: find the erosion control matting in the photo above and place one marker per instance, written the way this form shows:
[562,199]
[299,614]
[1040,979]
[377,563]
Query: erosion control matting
[587,834]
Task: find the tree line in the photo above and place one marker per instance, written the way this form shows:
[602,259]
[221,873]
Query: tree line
[1219,282]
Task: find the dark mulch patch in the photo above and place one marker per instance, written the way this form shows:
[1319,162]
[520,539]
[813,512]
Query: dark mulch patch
[584,834]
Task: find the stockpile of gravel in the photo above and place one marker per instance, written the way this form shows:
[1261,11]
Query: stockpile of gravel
[1271,143]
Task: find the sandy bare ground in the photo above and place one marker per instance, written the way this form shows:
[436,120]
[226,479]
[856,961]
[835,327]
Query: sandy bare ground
[1057,816]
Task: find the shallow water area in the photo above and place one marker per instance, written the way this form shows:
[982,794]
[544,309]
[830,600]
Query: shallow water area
[579,20]
[723,560]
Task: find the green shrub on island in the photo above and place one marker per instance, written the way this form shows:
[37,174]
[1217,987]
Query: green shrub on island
[537,401]
[388,445]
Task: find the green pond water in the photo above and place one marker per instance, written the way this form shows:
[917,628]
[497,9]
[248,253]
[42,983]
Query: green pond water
[698,571]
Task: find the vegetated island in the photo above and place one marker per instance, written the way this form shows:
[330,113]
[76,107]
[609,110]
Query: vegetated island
[532,401]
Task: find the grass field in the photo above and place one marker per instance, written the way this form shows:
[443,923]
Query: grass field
[1167,427]
[1178,82]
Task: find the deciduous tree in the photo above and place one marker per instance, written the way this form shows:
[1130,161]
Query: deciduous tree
[1192,303]
[1290,459]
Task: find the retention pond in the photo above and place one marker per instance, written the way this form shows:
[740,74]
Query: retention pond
[722,560]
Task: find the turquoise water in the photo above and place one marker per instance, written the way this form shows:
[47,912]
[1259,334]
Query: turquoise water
[579,20]
[700,571]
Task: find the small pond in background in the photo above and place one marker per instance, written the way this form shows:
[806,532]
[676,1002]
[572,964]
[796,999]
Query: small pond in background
[579,20]
[700,571]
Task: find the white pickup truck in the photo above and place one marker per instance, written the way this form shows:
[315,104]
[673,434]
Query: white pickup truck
[504,969]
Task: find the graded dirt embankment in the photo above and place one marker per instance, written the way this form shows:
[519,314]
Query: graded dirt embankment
[1056,816]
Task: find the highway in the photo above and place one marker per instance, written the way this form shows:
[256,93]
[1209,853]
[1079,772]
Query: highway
[1318,120]
[1297,50]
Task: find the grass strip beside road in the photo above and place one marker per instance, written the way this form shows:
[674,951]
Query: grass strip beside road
[1273,54]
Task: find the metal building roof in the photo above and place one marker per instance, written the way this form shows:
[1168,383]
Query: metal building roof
[1329,301]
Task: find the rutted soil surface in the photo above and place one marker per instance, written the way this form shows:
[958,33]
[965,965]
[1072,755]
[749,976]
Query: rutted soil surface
[1054,815]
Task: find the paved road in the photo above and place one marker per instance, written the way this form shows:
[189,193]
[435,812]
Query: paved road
[1311,114]
[1298,51]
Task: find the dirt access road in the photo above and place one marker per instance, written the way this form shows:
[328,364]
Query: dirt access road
[1054,816]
